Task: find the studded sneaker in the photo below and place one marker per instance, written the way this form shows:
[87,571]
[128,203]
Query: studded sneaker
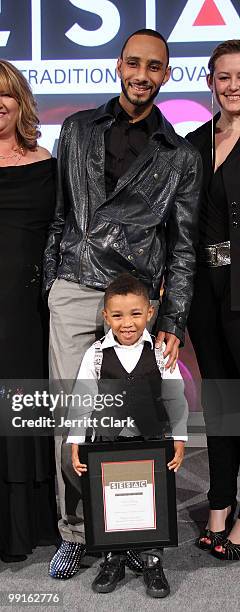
[67,560]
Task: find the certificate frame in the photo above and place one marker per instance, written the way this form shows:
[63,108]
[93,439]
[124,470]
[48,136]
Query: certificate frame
[98,454]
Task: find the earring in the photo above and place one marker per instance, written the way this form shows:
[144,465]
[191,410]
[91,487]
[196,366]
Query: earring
[212,128]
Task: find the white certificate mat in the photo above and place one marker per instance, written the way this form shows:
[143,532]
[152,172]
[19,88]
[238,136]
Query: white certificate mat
[129,495]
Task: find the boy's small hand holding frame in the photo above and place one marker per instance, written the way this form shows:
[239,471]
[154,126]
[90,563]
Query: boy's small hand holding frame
[175,464]
[79,468]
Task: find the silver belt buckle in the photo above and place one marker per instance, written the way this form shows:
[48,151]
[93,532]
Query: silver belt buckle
[220,254]
[223,254]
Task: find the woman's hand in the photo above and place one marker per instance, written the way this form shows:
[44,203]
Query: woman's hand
[78,467]
[179,447]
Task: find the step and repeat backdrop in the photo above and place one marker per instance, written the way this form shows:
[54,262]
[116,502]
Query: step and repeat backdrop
[67,49]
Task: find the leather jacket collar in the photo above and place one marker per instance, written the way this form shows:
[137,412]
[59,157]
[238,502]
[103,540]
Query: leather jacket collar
[165,129]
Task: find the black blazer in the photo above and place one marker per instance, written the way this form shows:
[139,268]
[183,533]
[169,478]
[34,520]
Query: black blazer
[202,140]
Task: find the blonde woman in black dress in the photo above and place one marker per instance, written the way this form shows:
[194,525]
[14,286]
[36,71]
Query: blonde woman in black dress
[28,508]
[214,321]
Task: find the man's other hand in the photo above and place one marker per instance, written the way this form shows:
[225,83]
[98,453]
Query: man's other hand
[172,346]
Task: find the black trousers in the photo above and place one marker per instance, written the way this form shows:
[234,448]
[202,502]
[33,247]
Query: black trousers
[215,334]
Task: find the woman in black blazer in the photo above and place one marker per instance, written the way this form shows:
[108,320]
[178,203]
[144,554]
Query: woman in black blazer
[214,321]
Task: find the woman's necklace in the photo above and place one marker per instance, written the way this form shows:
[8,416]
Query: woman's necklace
[16,154]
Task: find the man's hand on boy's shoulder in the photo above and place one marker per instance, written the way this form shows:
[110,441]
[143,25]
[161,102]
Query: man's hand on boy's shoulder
[78,467]
[179,448]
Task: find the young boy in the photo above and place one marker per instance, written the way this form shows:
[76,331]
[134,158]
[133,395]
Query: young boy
[127,352]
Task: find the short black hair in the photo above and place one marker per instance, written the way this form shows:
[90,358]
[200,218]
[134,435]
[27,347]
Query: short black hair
[147,32]
[122,285]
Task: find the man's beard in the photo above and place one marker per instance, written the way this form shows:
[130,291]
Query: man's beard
[138,101]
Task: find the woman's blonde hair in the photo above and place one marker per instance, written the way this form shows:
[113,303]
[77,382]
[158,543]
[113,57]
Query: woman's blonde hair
[13,82]
[226,47]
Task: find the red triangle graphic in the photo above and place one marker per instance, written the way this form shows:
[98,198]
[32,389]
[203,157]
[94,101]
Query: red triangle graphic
[209,15]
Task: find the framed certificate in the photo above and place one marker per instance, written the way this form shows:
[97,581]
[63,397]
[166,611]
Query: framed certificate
[129,495]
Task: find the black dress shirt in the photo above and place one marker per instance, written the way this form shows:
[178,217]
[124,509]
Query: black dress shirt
[124,141]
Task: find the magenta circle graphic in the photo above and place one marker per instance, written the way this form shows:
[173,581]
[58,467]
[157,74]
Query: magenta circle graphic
[178,111]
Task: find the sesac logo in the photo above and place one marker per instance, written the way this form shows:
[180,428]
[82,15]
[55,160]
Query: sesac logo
[15,30]
[86,29]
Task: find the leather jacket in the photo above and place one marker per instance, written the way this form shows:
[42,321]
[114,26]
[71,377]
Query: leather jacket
[146,226]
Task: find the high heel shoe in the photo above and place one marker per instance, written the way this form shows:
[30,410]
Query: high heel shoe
[217,538]
[230,552]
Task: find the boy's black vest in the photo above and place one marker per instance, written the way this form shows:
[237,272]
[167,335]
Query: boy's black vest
[140,391]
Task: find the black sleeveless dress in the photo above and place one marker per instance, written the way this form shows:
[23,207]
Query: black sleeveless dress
[27,496]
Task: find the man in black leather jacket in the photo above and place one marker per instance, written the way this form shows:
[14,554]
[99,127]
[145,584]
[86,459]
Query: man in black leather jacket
[127,200]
